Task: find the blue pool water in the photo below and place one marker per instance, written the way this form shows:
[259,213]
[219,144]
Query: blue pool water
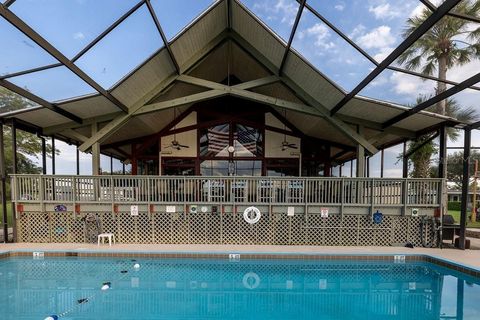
[219,289]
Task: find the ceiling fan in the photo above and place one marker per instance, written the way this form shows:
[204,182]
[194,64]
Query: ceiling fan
[175,144]
[285,144]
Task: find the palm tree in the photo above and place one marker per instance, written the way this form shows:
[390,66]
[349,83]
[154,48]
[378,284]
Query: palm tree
[451,42]
[421,159]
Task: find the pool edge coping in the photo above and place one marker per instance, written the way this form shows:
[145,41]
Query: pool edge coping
[409,257]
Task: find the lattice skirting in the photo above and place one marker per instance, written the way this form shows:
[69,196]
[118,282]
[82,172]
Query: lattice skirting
[225,228]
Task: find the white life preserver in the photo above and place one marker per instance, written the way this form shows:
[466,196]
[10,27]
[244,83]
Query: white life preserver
[247,215]
[251,280]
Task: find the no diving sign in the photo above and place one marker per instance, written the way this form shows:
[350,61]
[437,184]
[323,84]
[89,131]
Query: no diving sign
[324,212]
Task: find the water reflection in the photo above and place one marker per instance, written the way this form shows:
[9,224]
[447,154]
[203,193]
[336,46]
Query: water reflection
[199,289]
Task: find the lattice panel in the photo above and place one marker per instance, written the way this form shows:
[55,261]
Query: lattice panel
[213,228]
[414,229]
[38,227]
[59,226]
[180,228]
[400,229]
[349,237]
[246,232]
[144,228]
[297,230]
[230,229]
[280,228]
[162,228]
[127,228]
[264,234]
[198,227]
[108,223]
[226,228]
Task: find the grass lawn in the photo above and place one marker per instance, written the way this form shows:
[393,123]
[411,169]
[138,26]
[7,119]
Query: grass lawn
[456,216]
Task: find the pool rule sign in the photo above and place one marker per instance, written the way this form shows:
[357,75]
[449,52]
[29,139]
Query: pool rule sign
[134,210]
[324,212]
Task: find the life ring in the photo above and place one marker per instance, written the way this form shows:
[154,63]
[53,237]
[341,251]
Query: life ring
[251,280]
[247,215]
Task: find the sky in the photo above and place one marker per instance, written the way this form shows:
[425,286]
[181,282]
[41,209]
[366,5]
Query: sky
[375,25]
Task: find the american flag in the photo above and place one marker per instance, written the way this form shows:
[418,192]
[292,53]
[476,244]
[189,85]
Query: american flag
[219,140]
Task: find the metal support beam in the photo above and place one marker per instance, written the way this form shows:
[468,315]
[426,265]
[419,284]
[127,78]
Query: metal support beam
[44,155]
[45,45]
[32,97]
[405,161]
[465,186]
[412,151]
[442,153]
[111,164]
[441,11]
[53,154]
[14,171]
[382,162]
[3,185]
[292,35]
[452,13]
[360,156]
[439,97]
[77,160]
[162,35]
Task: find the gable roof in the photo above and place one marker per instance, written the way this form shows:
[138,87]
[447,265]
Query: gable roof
[228,38]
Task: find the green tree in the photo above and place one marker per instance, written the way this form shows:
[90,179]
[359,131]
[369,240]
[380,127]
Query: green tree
[451,42]
[29,146]
[455,166]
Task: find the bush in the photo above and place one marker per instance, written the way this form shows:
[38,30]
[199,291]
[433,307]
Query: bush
[454,205]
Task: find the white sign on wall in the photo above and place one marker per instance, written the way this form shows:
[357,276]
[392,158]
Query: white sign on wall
[324,212]
[134,210]
[170,209]
[290,211]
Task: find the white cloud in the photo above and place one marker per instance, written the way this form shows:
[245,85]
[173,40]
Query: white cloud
[321,34]
[78,36]
[404,84]
[383,53]
[384,11]
[379,37]
[282,10]
[340,7]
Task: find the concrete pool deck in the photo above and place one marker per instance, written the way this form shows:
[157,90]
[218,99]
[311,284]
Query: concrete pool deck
[469,258]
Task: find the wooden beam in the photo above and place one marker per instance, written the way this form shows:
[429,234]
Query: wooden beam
[193,98]
[48,131]
[118,122]
[75,135]
[336,122]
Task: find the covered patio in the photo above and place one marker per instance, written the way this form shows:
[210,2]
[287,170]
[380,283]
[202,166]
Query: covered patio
[226,116]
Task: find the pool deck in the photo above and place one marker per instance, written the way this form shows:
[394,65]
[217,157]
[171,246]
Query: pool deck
[469,258]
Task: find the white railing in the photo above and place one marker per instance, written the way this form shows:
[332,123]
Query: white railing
[188,189]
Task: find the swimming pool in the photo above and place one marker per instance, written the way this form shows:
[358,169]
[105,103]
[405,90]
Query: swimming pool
[71,288]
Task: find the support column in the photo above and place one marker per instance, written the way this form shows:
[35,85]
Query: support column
[360,156]
[14,171]
[53,155]
[3,186]
[95,152]
[465,186]
[382,162]
[442,153]
[405,161]
[44,155]
[368,167]
[77,160]
[111,164]
[123,168]
[351,168]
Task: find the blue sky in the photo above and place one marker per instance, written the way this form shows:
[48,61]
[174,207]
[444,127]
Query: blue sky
[375,25]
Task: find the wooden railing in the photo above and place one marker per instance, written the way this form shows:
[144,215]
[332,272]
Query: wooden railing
[226,190]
